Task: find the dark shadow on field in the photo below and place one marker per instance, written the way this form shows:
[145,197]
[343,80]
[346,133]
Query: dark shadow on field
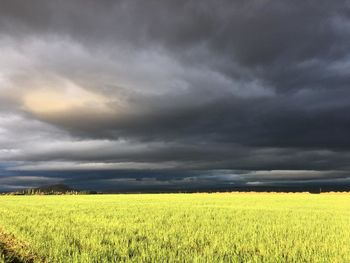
[8,243]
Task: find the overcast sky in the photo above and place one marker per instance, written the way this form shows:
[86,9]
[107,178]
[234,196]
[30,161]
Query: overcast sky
[135,94]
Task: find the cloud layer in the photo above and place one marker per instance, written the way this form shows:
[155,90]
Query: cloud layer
[174,93]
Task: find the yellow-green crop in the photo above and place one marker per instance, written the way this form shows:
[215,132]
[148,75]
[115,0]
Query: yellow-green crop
[180,227]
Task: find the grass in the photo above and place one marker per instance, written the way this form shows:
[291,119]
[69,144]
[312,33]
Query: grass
[180,227]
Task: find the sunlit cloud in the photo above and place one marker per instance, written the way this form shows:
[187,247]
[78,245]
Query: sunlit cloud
[48,100]
[72,166]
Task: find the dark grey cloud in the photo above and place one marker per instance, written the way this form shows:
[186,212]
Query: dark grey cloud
[171,93]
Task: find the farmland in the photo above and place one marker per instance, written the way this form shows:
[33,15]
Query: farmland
[227,227]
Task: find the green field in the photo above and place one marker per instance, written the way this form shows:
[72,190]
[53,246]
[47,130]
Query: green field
[179,227]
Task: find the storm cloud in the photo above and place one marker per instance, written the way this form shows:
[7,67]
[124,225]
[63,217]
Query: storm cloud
[168,94]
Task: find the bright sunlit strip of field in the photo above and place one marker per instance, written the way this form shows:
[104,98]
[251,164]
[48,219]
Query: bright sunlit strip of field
[231,227]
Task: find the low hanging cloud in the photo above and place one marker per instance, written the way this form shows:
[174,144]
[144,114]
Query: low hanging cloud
[174,93]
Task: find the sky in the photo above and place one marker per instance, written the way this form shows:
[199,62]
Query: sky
[139,95]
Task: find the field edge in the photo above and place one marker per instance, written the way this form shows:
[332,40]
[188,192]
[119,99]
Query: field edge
[13,250]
